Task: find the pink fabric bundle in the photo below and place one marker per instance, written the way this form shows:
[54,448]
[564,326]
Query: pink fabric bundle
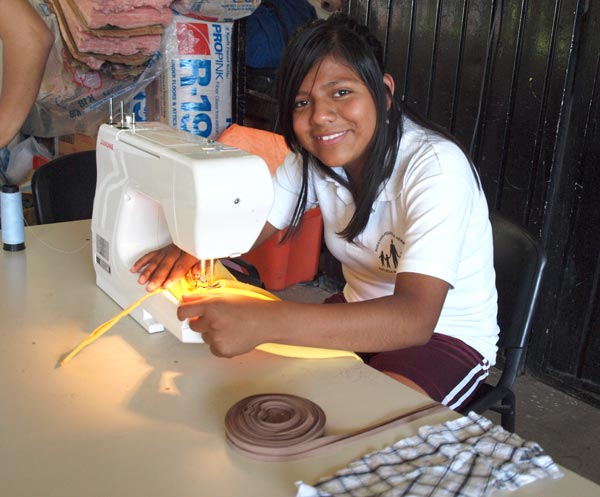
[122,33]
[125,13]
[108,6]
[107,45]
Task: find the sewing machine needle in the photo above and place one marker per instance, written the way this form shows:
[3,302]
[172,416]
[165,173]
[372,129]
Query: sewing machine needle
[207,272]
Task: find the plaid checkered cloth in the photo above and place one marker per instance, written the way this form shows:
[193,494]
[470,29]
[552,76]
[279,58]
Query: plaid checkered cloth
[466,457]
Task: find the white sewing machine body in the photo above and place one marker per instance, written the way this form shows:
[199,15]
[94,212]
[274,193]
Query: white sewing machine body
[156,184]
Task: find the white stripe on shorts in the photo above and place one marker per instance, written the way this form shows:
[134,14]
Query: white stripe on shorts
[481,370]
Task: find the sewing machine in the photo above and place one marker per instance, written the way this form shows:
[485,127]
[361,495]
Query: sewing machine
[156,184]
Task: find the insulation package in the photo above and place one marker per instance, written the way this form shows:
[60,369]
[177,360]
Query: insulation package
[195,84]
[216,10]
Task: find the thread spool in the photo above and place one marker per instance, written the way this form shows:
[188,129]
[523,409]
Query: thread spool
[13,228]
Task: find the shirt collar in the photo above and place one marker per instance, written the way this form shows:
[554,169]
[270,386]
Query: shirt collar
[388,192]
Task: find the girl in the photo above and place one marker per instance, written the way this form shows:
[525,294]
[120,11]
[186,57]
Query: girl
[403,212]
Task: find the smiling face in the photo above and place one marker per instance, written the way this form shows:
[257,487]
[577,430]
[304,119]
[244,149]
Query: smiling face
[335,115]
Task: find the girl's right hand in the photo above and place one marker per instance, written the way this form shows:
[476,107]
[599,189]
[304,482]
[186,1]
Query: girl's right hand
[163,267]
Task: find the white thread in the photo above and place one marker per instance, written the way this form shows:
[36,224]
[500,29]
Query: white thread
[52,247]
[13,230]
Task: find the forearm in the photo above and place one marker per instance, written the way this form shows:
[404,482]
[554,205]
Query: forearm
[404,319]
[234,325]
[26,45]
[376,325]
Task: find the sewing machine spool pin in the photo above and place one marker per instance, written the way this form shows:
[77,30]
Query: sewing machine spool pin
[111,117]
[126,121]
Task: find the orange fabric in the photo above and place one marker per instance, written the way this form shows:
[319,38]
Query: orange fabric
[266,144]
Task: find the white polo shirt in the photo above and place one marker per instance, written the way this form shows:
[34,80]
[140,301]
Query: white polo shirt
[430,218]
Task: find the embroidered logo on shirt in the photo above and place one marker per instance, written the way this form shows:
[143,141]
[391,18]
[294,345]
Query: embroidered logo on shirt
[389,251]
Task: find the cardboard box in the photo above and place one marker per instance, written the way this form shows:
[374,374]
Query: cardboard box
[68,144]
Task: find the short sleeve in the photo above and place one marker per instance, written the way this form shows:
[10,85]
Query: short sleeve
[287,183]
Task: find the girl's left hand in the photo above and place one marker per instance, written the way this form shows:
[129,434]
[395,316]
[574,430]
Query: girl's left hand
[163,267]
[231,325]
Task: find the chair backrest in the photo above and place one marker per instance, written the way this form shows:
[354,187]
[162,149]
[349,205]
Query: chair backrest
[63,189]
[519,262]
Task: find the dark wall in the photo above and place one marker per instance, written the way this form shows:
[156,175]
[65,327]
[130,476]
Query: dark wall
[518,83]
[569,352]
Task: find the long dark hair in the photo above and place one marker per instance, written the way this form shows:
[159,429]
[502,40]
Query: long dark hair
[345,39]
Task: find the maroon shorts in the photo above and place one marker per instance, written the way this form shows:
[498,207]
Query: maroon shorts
[449,370]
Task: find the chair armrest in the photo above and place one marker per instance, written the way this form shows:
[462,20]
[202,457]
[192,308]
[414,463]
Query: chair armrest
[488,399]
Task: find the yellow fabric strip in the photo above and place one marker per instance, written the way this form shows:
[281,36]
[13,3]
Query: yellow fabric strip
[224,284]
[103,328]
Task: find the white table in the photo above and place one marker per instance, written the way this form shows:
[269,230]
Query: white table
[142,415]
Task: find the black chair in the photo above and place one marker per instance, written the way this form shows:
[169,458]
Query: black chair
[519,262]
[63,189]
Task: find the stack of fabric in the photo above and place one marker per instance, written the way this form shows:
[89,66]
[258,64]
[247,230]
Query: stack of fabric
[118,35]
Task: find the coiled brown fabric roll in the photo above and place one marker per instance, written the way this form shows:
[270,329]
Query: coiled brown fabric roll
[279,427]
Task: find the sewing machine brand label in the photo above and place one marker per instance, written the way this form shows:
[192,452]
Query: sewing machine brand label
[196,83]
[107,144]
